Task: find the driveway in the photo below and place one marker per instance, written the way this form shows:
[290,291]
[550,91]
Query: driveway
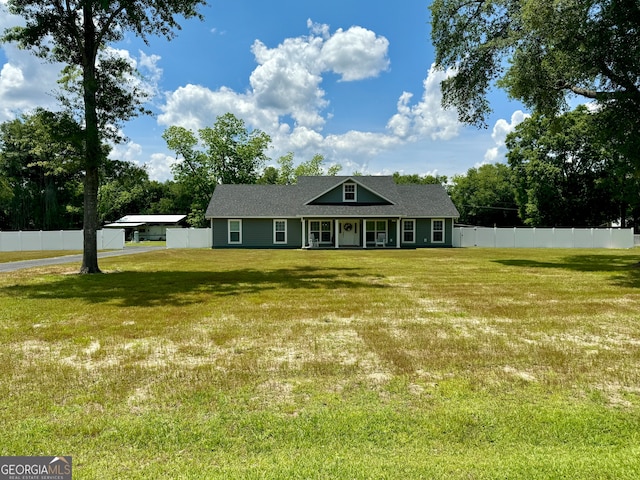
[43,262]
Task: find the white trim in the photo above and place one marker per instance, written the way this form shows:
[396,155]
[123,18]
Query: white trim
[349,179]
[319,240]
[433,221]
[344,192]
[275,231]
[413,221]
[229,241]
[375,229]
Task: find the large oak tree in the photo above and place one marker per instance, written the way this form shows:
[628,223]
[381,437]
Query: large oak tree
[77,34]
[227,153]
[540,51]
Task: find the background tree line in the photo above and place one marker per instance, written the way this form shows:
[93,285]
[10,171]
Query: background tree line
[560,171]
[566,167]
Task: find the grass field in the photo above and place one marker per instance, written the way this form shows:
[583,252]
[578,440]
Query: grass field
[444,363]
[34,255]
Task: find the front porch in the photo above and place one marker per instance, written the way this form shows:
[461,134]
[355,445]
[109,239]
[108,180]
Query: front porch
[353,233]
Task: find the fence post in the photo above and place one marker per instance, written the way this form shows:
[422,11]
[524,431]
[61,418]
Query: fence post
[610,237]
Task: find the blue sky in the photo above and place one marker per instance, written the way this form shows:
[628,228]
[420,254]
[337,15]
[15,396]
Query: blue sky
[351,80]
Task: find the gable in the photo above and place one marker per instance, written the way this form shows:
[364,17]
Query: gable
[351,191]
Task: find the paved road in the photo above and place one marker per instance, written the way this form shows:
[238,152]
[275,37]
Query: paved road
[43,262]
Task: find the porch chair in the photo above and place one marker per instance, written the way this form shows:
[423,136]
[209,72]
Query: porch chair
[313,241]
[381,239]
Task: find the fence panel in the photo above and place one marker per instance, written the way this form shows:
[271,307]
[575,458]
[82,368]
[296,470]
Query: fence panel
[564,237]
[544,237]
[583,238]
[31,240]
[525,237]
[10,241]
[110,239]
[622,238]
[505,238]
[189,238]
[58,240]
[485,236]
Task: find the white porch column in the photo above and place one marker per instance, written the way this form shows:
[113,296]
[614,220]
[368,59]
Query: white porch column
[364,233]
[335,232]
[304,232]
[398,230]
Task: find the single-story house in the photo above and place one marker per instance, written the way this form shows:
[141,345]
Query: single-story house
[148,227]
[332,212]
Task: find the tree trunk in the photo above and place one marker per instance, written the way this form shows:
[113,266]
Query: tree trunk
[92,146]
[90,229]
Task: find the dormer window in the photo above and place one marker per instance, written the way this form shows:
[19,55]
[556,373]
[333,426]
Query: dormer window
[349,192]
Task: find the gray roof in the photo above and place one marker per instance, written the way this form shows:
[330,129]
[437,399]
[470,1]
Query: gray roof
[271,201]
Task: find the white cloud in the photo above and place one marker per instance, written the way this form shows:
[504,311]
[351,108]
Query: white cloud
[195,106]
[499,134]
[26,81]
[287,80]
[426,118]
[355,54]
[159,166]
[128,152]
[286,84]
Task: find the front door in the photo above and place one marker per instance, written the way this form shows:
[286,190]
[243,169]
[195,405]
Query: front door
[349,233]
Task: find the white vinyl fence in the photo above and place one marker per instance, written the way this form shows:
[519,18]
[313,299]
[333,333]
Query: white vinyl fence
[108,239]
[543,237]
[189,238]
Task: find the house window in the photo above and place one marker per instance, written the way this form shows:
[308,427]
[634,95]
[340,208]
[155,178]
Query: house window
[409,231]
[235,231]
[374,228]
[437,231]
[320,231]
[349,192]
[279,231]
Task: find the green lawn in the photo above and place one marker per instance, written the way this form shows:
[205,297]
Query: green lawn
[444,363]
[34,255]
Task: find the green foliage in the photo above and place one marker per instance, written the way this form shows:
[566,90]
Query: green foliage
[77,34]
[554,48]
[40,186]
[287,174]
[229,154]
[235,155]
[485,196]
[123,191]
[561,166]
[315,168]
[417,179]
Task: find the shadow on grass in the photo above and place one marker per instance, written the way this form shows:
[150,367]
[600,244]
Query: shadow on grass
[624,270]
[187,287]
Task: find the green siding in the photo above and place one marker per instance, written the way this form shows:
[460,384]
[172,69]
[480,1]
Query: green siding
[257,233]
[363,195]
[423,233]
